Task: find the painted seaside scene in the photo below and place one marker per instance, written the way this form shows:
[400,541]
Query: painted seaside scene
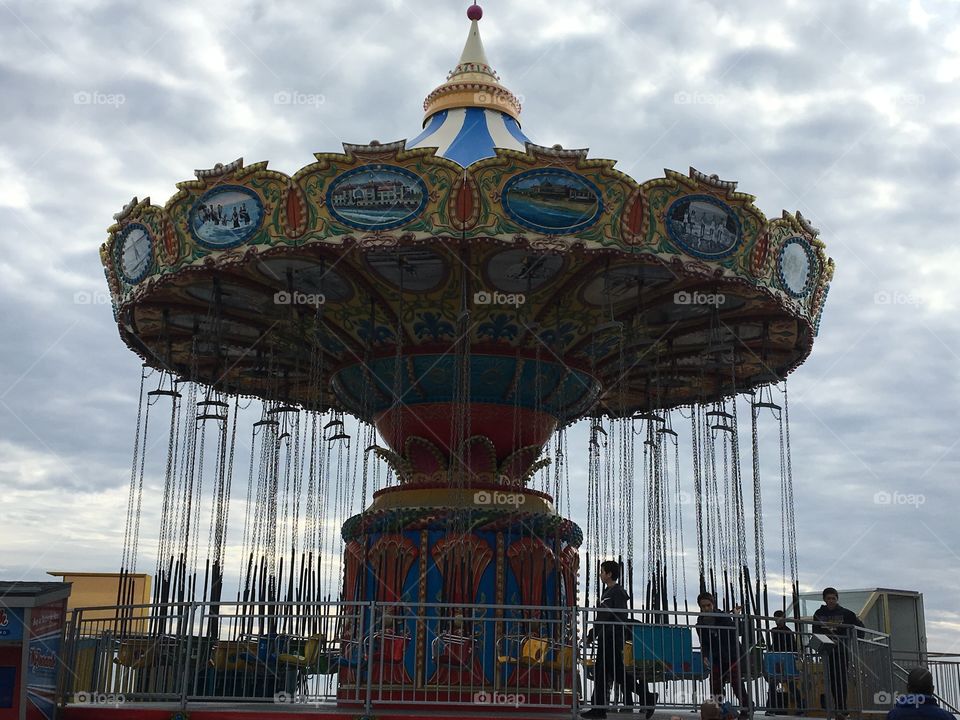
[553,201]
[376,199]
[226,217]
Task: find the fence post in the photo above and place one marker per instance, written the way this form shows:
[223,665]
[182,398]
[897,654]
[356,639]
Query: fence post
[185,681]
[67,689]
[368,703]
[575,660]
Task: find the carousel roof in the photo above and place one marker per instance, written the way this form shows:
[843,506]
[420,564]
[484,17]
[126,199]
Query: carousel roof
[576,288]
[471,113]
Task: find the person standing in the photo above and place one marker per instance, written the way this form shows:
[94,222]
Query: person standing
[720,645]
[838,623]
[610,634]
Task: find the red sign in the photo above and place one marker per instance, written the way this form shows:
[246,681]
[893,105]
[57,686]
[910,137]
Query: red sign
[46,619]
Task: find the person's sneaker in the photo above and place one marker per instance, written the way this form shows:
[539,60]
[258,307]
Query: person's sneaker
[594,713]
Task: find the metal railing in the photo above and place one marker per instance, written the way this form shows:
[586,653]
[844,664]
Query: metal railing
[435,654]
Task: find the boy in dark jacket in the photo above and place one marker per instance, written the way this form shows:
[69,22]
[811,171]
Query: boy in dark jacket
[838,624]
[721,647]
[611,636]
[919,702]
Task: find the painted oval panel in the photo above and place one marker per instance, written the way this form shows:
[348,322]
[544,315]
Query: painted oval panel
[226,216]
[134,248]
[553,202]
[377,197]
[797,267]
[704,226]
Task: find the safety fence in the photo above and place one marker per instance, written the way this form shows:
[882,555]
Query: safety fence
[371,655]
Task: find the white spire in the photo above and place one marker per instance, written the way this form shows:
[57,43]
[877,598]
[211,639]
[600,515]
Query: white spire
[472,83]
[473,51]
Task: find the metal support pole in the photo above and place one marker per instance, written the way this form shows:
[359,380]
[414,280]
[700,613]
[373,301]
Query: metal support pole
[368,703]
[575,661]
[186,658]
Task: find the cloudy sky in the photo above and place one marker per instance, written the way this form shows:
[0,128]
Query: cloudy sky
[847,111]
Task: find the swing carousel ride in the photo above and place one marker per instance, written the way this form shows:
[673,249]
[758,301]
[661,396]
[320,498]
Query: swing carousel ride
[416,325]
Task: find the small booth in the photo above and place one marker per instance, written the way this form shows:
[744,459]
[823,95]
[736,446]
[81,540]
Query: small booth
[32,618]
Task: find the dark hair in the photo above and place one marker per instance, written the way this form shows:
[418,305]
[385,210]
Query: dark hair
[612,567]
[779,613]
[920,681]
[830,591]
[706,596]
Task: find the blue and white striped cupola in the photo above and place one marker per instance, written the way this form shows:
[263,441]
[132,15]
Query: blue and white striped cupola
[471,113]
[466,135]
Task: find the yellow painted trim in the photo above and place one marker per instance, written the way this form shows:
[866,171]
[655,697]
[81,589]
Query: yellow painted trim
[507,499]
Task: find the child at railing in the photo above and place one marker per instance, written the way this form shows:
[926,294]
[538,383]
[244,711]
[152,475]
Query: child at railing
[721,646]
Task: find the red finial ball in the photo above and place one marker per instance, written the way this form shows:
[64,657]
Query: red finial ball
[474,12]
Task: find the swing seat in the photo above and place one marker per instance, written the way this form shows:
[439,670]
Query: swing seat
[136,653]
[389,647]
[671,645]
[453,649]
[533,651]
[780,666]
[315,660]
[562,658]
[643,670]
[230,655]
[692,670]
